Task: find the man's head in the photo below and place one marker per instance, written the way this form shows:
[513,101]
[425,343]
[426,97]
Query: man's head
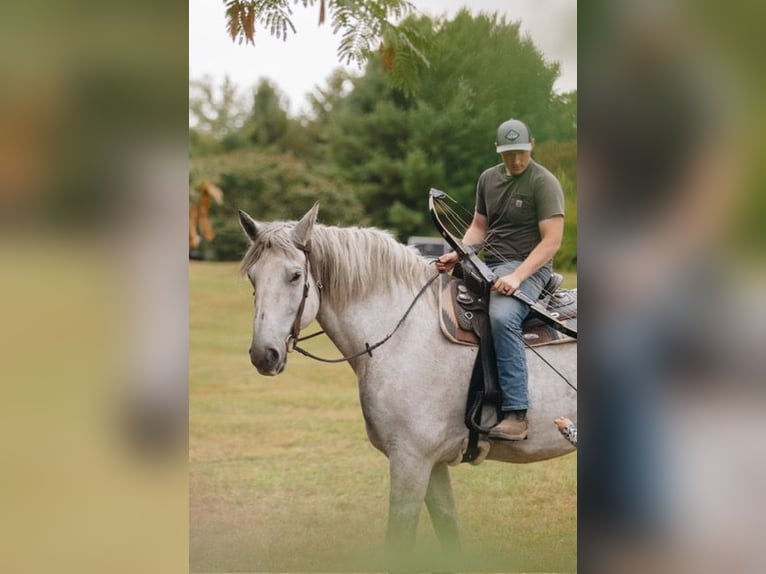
[514,143]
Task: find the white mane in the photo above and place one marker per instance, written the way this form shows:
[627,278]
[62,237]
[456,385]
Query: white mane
[351,262]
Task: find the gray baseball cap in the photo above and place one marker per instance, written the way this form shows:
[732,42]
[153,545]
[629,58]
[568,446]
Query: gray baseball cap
[513,135]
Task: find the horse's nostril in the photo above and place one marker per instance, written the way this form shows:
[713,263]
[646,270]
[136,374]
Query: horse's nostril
[265,359]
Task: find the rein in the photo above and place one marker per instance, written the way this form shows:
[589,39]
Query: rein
[294,338]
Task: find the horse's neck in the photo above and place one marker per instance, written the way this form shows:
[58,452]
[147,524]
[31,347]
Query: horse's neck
[366,290]
[365,321]
[356,319]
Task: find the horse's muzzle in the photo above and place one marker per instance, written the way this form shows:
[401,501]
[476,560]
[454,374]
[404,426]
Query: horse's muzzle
[269,361]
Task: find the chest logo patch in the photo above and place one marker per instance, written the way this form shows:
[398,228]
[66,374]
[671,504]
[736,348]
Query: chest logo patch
[518,203]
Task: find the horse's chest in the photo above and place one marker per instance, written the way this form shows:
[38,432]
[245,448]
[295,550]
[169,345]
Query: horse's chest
[377,414]
[396,416]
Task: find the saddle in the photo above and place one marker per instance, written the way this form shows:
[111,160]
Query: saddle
[464,320]
[458,308]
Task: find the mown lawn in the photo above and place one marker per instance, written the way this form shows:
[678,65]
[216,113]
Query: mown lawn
[282,477]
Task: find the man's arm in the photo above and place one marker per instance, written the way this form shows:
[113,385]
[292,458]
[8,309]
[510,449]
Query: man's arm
[477,231]
[551,234]
[475,235]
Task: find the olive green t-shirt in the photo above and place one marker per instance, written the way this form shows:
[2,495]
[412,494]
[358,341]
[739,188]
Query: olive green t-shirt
[513,206]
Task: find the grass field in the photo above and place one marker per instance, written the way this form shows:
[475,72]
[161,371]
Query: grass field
[282,477]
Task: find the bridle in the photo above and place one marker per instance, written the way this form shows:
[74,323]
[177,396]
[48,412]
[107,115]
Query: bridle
[294,337]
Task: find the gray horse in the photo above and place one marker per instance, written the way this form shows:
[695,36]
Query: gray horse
[357,283]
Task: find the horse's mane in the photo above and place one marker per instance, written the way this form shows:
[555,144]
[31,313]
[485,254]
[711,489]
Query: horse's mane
[351,262]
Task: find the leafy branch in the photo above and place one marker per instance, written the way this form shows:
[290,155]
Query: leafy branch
[365,26]
[242,15]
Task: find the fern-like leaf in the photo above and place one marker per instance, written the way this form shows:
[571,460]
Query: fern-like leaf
[403,55]
[365,26]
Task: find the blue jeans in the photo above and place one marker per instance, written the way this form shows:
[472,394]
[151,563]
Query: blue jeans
[506,315]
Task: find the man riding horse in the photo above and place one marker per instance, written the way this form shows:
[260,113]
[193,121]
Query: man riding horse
[519,221]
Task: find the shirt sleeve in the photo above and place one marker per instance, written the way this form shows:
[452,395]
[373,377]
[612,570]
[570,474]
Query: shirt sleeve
[549,197]
[481,202]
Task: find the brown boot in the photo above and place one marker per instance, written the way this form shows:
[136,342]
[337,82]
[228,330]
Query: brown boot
[513,427]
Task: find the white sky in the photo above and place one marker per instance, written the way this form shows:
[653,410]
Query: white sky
[308,57]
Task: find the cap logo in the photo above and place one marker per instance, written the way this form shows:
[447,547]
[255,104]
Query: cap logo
[512,135]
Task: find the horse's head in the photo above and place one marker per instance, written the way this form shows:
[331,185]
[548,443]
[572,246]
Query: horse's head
[285,293]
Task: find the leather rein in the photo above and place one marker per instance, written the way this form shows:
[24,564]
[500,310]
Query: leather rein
[294,338]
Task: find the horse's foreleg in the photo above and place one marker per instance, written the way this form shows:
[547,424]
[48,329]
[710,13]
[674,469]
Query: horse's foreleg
[441,508]
[409,481]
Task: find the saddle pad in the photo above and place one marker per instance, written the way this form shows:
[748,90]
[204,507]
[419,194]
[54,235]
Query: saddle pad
[455,322]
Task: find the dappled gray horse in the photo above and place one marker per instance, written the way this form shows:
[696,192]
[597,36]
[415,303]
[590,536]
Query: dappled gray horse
[358,283]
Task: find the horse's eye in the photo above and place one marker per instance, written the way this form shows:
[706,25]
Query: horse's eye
[296,276]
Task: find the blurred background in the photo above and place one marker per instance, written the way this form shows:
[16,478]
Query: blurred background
[93,286]
[671,180]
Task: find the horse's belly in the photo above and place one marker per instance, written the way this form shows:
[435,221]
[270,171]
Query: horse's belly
[519,452]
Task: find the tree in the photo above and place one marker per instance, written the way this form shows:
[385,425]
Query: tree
[393,145]
[268,123]
[220,118]
[385,146]
[270,186]
[215,110]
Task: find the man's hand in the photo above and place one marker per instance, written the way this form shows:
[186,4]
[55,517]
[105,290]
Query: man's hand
[506,284]
[446,262]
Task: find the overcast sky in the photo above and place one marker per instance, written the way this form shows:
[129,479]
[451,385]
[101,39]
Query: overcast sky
[306,59]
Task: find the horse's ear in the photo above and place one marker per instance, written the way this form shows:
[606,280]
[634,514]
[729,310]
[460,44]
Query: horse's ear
[303,229]
[249,225]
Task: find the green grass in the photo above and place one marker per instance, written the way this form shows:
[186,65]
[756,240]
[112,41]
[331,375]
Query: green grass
[282,477]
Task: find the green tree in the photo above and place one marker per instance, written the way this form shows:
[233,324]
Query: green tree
[561,158]
[221,118]
[370,150]
[392,145]
[215,114]
[268,123]
[270,186]
[561,122]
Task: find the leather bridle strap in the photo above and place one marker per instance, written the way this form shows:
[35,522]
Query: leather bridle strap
[296,330]
[294,338]
[368,349]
